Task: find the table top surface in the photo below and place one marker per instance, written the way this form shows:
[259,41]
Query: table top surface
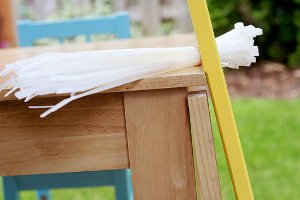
[193,76]
[11,55]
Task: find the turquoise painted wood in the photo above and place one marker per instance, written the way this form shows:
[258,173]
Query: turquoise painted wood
[10,188]
[120,179]
[123,191]
[43,194]
[117,24]
[28,32]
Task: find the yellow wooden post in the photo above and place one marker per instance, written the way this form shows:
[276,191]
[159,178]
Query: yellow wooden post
[220,97]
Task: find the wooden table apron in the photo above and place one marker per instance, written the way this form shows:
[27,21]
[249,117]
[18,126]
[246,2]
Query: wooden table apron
[147,131]
[142,125]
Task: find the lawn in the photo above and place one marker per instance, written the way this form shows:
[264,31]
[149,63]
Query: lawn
[270,135]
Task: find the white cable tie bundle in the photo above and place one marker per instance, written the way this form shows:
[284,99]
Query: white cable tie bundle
[85,73]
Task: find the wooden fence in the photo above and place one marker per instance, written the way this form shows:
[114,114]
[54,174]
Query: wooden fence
[150,12]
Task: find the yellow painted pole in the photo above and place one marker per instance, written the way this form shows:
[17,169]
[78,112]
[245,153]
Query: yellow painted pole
[220,97]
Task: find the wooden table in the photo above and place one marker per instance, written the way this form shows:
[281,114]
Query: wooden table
[143,125]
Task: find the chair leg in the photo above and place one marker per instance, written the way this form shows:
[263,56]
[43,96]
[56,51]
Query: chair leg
[43,195]
[123,185]
[10,188]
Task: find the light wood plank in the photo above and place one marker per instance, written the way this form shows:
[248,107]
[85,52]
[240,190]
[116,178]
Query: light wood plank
[208,185]
[89,134]
[186,77]
[160,147]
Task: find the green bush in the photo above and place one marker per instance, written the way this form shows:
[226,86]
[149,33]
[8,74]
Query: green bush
[280,20]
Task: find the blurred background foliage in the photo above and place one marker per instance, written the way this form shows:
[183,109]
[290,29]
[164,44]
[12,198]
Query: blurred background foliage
[280,20]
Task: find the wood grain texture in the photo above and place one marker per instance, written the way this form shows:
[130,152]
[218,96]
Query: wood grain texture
[191,76]
[86,135]
[160,147]
[208,185]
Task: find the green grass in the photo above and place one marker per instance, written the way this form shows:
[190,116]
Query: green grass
[96,193]
[270,136]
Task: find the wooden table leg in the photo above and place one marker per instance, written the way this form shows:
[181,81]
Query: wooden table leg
[160,147]
[208,185]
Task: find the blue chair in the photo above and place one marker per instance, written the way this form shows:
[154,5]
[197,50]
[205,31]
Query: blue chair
[119,25]
[119,178]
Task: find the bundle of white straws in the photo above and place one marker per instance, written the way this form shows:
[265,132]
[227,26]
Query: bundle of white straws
[84,73]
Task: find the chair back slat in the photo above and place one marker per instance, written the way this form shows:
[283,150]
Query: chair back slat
[118,24]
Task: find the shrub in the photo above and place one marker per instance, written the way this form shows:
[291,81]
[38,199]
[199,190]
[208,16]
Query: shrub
[280,20]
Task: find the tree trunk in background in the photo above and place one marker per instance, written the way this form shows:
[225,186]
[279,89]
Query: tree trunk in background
[8,22]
